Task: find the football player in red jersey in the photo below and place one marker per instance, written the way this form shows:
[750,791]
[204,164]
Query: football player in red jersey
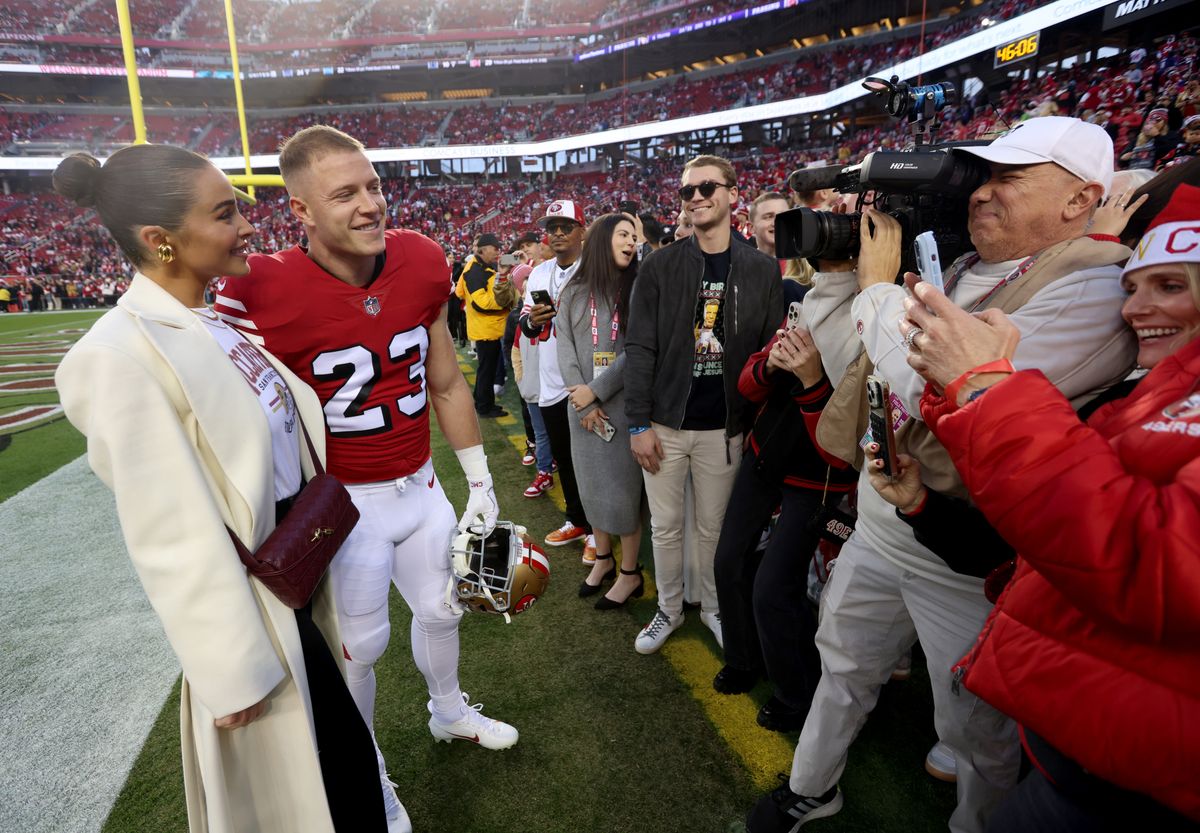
[360,314]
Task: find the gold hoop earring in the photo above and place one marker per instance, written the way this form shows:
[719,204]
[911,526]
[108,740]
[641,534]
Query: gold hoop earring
[165,252]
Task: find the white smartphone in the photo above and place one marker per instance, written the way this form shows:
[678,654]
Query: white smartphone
[795,317]
[929,265]
[605,430]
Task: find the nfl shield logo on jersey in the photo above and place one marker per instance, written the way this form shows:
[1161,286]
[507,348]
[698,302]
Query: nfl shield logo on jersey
[371,305]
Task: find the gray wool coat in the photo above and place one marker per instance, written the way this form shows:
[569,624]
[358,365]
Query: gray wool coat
[610,480]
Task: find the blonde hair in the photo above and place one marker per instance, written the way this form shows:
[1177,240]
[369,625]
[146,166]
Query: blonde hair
[719,162]
[310,144]
[1193,275]
[798,269]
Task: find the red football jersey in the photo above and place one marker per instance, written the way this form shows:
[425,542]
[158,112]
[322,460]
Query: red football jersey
[361,349]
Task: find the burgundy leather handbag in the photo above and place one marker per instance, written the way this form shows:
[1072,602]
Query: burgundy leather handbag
[294,558]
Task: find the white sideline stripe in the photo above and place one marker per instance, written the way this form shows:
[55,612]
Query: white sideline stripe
[36,417]
[84,665]
[232,303]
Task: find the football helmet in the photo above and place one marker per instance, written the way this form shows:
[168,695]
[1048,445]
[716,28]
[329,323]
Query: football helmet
[501,573]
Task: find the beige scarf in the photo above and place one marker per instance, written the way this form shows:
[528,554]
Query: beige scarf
[844,418]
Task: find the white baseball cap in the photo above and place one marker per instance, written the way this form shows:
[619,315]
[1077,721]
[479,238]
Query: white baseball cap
[1082,148]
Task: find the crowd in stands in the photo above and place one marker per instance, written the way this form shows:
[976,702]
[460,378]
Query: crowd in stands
[1103,92]
[265,21]
[400,126]
[206,20]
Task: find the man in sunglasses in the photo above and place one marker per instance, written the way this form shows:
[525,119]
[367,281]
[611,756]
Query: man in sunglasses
[564,229]
[699,310]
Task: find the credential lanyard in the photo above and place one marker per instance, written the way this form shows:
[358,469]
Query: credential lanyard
[596,328]
[970,260]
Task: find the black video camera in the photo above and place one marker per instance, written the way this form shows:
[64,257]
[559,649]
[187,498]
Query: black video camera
[925,188]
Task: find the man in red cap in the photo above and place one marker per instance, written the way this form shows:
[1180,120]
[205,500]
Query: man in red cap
[564,228]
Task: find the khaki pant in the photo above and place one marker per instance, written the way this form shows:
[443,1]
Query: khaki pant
[871,612]
[713,464]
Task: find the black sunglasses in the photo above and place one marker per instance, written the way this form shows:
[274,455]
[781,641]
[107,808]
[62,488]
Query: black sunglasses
[706,189]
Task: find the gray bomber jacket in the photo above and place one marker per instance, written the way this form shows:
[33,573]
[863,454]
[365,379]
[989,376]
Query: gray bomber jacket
[660,342]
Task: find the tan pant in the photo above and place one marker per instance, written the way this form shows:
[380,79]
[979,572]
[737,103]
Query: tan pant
[713,463]
[871,613]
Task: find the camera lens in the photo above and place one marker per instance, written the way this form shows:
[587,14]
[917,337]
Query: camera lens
[829,236]
[803,232]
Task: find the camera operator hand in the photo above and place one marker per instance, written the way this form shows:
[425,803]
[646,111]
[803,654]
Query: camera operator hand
[539,314]
[905,490]
[951,341]
[879,249]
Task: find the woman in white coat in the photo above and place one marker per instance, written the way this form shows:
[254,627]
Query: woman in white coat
[194,430]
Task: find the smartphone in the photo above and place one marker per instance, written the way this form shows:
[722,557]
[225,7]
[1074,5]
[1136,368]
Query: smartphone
[795,317]
[628,207]
[509,260]
[929,265]
[605,431]
[879,416]
[541,296]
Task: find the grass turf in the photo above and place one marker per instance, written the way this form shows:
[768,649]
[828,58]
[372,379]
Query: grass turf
[610,740]
[29,453]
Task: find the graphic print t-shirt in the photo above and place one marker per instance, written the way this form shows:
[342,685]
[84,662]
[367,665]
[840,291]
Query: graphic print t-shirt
[706,402]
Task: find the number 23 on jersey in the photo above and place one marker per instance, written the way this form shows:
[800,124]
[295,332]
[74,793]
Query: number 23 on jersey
[401,374]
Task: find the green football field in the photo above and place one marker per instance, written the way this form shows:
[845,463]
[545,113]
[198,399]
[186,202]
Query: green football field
[610,740]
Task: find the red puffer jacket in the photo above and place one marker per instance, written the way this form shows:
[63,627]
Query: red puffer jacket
[1095,644]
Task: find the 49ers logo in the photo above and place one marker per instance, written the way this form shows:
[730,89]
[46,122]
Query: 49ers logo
[1184,409]
[839,529]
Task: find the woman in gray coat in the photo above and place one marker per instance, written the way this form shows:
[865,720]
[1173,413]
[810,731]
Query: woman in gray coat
[591,356]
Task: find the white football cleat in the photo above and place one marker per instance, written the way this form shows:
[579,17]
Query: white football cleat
[473,727]
[397,816]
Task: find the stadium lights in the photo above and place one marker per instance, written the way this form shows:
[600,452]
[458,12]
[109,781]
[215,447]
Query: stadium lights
[987,39]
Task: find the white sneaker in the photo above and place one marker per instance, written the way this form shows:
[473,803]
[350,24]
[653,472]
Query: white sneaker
[473,726]
[655,634]
[712,621]
[397,816]
[941,763]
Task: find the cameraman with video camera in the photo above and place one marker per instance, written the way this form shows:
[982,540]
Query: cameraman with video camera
[1027,223]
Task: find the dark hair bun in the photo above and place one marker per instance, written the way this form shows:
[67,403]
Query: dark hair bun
[77,178]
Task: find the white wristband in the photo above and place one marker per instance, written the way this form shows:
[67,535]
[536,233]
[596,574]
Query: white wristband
[473,462]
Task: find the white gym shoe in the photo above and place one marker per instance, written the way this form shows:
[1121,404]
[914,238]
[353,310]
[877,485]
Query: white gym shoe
[941,763]
[651,637]
[473,726]
[397,816]
[712,621]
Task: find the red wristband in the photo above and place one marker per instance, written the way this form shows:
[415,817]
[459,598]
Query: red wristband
[997,366]
[1105,238]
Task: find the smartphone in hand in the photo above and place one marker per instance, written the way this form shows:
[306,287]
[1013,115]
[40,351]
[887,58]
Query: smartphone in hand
[541,296]
[604,430]
[929,265]
[879,418]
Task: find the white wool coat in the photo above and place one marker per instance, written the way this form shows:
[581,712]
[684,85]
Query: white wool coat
[177,434]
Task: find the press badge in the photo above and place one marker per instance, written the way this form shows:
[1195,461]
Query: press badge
[601,362]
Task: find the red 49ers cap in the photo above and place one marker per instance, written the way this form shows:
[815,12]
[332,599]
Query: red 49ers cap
[564,209]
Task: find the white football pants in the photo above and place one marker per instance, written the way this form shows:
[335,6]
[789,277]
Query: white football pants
[402,538]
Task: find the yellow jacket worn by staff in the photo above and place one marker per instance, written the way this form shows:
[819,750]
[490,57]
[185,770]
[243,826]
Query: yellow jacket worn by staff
[173,429]
[485,315]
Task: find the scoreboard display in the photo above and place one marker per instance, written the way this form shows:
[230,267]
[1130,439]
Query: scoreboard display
[1017,50]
